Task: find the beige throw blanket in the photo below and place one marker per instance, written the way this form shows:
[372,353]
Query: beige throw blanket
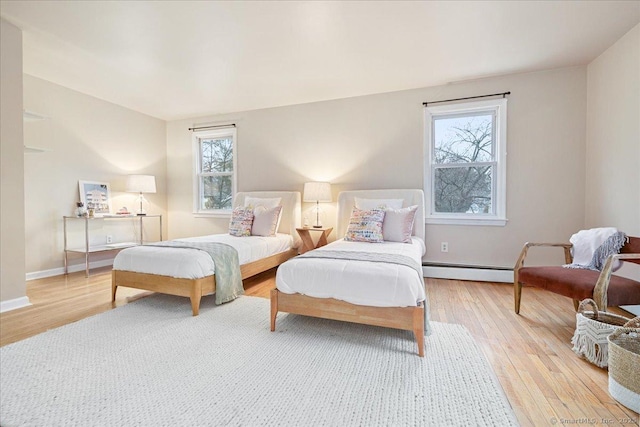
[227,266]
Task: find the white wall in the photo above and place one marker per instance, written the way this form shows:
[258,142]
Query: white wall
[613,136]
[613,142]
[377,142]
[88,139]
[12,222]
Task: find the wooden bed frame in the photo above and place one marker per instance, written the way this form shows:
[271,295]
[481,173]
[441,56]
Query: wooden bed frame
[195,289]
[406,318]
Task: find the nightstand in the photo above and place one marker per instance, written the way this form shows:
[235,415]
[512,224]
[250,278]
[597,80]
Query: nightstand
[307,241]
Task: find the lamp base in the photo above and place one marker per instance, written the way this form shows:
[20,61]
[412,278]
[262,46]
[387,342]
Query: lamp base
[317,226]
[141,214]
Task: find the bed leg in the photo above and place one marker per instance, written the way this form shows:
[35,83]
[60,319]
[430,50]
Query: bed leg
[114,286]
[196,296]
[195,304]
[418,329]
[274,308]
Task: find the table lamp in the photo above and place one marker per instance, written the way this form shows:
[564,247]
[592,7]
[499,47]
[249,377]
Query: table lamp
[141,184]
[317,192]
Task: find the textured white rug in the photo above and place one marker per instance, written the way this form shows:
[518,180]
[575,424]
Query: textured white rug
[150,363]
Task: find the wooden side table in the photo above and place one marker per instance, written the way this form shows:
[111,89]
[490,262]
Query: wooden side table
[307,241]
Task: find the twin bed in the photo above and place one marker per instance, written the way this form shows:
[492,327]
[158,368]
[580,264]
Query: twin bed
[371,283]
[191,272]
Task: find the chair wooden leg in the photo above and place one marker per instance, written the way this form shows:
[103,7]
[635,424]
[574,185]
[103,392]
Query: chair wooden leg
[517,294]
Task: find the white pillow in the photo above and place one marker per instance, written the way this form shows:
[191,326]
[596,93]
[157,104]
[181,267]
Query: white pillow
[265,221]
[268,203]
[398,224]
[254,202]
[368,204]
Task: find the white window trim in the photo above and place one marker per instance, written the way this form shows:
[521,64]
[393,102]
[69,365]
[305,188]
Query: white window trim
[197,191]
[499,217]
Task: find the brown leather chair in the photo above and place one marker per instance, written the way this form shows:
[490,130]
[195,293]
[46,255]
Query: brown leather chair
[603,287]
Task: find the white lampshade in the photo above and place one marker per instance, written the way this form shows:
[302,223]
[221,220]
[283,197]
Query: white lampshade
[141,183]
[317,192]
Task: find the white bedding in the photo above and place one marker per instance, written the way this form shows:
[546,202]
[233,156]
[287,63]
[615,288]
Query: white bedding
[357,282]
[193,263]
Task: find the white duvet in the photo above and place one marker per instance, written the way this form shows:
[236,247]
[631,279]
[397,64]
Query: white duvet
[193,263]
[357,282]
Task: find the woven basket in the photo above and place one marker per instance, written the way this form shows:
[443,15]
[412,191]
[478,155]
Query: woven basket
[624,365]
[592,329]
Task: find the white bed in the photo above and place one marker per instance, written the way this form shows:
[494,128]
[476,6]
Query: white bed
[191,272]
[195,264]
[376,293]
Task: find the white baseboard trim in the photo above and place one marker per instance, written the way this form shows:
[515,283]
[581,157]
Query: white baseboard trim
[468,273]
[14,304]
[72,269]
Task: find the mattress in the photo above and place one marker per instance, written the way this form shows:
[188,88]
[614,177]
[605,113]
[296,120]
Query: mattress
[357,282]
[193,263]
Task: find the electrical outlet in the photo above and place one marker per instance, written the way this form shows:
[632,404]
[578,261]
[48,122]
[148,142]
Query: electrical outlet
[109,238]
[444,247]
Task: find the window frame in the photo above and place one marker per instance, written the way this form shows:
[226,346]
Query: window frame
[498,107]
[198,175]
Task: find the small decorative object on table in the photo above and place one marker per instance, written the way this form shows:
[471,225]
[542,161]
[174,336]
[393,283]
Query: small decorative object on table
[592,330]
[80,211]
[96,196]
[123,211]
[624,364]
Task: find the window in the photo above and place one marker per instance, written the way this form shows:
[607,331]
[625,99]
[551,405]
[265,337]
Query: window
[465,168]
[215,170]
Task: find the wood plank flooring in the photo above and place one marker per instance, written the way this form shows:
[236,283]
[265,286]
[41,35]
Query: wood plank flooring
[545,382]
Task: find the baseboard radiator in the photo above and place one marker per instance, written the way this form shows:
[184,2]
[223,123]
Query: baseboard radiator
[467,272]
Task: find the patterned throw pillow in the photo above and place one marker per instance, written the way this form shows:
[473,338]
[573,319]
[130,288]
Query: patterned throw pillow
[365,226]
[241,221]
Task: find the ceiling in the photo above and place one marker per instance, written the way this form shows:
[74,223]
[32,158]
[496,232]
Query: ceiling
[179,59]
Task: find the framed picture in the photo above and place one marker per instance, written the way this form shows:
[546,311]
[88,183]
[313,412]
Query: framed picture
[95,195]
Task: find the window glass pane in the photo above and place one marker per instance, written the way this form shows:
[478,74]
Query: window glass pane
[217,154]
[463,139]
[463,190]
[216,192]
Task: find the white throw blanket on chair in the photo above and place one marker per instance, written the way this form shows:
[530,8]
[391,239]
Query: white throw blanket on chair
[587,242]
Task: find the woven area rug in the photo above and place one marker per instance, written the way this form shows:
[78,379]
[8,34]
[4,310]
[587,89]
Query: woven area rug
[150,363]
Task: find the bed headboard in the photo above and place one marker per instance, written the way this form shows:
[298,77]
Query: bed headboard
[410,197]
[291,209]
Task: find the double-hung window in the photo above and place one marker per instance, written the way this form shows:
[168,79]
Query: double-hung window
[465,167]
[215,170]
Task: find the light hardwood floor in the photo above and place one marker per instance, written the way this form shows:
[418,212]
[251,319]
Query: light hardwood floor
[546,383]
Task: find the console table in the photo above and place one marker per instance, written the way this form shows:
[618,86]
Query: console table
[89,248]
